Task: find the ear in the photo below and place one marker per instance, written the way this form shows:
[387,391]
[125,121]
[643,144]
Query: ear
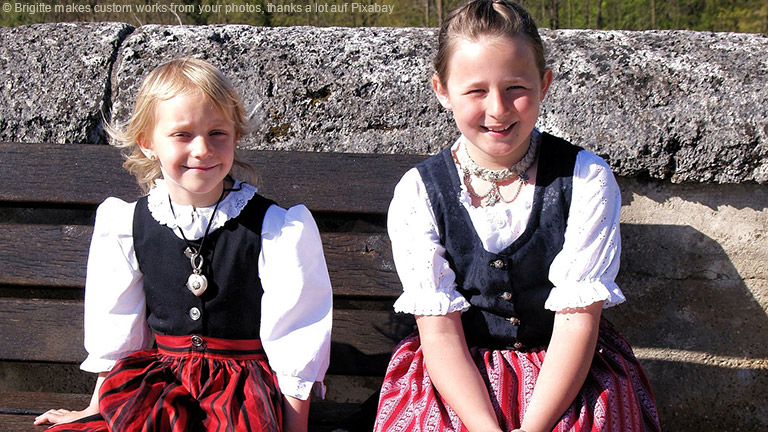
[145,145]
[441,92]
[546,81]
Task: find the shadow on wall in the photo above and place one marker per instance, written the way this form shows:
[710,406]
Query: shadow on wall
[696,327]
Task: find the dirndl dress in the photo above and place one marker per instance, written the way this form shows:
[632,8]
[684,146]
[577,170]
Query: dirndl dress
[616,395]
[189,383]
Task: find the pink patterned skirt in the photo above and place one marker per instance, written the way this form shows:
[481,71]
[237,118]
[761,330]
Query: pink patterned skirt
[189,384]
[616,395]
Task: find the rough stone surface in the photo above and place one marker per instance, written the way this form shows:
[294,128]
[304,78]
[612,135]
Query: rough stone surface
[678,105]
[684,106]
[318,89]
[55,80]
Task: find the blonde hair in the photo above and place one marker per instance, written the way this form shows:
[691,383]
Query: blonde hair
[486,18]
[177,77]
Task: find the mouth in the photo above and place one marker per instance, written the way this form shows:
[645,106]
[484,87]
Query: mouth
[200,168]
[498,129]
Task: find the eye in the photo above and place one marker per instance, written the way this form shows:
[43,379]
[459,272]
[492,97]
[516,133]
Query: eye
[218,133]
[516,87]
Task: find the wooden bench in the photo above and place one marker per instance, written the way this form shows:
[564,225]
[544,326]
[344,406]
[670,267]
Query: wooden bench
[48,197]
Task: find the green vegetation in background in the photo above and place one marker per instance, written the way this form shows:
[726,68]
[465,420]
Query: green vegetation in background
[749,16]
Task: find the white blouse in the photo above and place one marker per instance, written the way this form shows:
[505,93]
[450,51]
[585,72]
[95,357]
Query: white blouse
[296,307]
[582,273]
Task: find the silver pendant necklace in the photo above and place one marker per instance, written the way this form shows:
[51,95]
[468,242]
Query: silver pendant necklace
[494,177]
[197,283]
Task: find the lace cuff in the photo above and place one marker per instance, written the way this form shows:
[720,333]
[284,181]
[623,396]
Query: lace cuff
[299,388]
[583,294]
[431,302]
[97,365]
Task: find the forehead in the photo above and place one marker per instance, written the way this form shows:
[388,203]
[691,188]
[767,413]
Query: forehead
[188,99]
[190,107]
[491,56]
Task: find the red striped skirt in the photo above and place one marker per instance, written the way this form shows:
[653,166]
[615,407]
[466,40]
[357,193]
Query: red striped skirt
[189,384]
[616,395]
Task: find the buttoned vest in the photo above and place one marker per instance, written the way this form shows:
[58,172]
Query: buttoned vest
[231,305]
[507,290]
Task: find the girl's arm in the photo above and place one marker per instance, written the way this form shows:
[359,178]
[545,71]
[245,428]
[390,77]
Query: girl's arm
[295,414]
[583,274]
[296,308]
[65,416]
[453,372]
[565,367]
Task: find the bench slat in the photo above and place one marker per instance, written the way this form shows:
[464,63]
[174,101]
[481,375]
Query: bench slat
[34,403]
[44,255]
[19,423]
[87,174]
[52,331]
[359,264]
[18,410]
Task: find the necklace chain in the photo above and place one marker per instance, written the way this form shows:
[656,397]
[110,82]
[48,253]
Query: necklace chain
[195,254]
[517,171]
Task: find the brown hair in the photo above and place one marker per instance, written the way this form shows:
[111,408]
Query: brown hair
[180,76]
[486,18]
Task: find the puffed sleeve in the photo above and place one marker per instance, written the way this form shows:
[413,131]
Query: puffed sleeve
[115,316]
[296,309]
[584,271]
[429,286]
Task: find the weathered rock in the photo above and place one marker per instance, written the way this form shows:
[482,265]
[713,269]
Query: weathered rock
[678,105]
[685,106]
[55,80]
[320,89]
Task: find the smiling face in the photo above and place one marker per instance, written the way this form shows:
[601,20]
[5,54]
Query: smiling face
[194,144]
[494,89]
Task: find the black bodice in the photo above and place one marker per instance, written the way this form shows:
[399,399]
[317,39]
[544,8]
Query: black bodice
[231,306]
[507,290]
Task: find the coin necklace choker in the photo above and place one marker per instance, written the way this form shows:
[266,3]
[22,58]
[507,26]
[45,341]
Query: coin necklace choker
[494,177]
[197,283]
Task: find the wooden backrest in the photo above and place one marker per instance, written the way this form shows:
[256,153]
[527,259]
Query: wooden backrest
[48,197]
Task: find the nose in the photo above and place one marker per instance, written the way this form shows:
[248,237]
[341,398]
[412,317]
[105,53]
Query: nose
[201,147]
[498,104]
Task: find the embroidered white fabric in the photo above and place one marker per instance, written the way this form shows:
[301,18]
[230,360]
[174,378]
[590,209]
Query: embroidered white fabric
[583,272]
[193,221]
[296,306]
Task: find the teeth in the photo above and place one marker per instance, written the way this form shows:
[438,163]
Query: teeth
[499,130]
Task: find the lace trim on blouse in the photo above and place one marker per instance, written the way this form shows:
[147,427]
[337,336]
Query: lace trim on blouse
[584,294]
[193,221]
[431,302]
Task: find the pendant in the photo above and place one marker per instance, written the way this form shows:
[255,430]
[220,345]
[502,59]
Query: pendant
[493,195]
[197,282]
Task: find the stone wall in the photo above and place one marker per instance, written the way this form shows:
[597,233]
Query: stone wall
[680,116]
